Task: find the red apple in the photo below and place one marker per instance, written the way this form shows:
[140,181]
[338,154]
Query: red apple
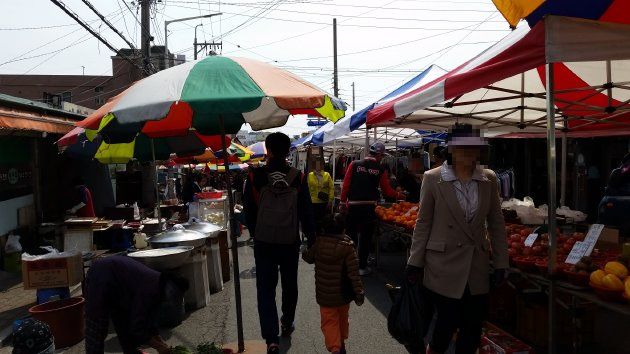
[515,237]
[516,245]
[567,247]
[527,251]
[525,232]
[537,250]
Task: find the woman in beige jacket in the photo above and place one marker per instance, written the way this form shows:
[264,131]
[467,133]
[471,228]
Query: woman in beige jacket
[459,231]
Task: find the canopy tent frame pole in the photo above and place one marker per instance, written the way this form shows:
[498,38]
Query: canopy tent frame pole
[551,169]
[367,141]
[563,171]
[334,163]
[233,236]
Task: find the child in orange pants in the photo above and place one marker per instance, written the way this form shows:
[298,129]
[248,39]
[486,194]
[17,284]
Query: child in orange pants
[337,280]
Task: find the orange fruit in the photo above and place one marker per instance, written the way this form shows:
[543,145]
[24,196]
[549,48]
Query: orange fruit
[617,269]
[597,277]
[612,282]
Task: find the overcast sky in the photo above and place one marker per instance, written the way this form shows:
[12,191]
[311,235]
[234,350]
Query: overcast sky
[381,43]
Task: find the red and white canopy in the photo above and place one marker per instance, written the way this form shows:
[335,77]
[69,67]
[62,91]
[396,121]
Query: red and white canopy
[503,88]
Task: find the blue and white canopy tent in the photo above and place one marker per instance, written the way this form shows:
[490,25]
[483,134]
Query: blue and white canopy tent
[352,129]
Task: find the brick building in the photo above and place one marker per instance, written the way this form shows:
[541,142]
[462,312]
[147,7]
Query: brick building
[84,90]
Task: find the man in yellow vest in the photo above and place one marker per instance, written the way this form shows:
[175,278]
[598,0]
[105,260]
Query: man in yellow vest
[322,191]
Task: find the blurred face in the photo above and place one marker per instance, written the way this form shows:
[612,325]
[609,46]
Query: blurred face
[465,156]
[318,166]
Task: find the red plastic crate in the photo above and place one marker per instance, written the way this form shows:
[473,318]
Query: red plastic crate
[497,341]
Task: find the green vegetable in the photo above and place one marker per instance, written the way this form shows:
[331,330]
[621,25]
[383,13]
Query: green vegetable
[180,349]
[209,348]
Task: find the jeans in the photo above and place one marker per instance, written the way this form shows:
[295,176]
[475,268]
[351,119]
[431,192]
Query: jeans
[466,314]
[269,259]
[360,227]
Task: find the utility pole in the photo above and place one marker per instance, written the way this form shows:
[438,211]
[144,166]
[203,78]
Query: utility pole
[166,23]
[145,24]
[335,73]
[353,97]
[83,68]
[214,46]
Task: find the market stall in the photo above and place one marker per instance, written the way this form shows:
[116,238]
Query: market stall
[562,76]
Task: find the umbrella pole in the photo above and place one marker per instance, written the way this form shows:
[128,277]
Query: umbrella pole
[157,190]
[237,279]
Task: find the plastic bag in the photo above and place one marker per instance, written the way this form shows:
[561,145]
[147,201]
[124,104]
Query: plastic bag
[13,244]
[405,321]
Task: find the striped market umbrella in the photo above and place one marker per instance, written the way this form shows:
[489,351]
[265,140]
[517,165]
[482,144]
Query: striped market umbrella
[196,94]
[83,143]
[259,150]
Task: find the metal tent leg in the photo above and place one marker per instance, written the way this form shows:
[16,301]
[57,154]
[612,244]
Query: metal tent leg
[551,169]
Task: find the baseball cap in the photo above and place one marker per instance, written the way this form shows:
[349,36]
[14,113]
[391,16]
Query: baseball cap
[377,148]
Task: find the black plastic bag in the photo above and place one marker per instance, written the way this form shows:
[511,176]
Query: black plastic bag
[406,318]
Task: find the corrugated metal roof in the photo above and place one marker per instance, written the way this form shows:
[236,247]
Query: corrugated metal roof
[13,101]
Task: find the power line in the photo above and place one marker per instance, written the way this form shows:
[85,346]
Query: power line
[35,28]
[347,25]
[89,29]
[88,4]
[366,17]
[364,6]
[125,21]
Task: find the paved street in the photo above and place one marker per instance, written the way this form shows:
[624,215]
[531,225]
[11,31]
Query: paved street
[217,322]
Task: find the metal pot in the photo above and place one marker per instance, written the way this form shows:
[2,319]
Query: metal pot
[178,236]
[163,258]
[206,228]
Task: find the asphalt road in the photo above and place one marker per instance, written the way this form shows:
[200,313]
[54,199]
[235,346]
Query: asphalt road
[217,322]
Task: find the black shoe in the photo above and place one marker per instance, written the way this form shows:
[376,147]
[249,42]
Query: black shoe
[286,331]
[273,349]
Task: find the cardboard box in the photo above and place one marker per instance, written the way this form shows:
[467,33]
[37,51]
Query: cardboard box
[497,341]
[52,271]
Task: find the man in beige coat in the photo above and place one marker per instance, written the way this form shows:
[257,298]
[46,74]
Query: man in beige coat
[460,229]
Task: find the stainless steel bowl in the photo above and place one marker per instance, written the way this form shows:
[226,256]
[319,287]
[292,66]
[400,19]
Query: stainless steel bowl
[206,228]
[178,236]
[163,258]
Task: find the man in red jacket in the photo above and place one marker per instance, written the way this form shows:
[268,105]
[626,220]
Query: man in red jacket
[359,196]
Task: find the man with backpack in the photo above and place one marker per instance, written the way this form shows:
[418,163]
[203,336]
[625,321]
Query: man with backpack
[276,200]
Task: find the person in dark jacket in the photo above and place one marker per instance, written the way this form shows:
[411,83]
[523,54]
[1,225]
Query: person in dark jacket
[271,257]
[337,280]
[359,196]
[130,294]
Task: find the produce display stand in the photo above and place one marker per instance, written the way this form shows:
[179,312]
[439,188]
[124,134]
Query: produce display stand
[384,228]
[574,299]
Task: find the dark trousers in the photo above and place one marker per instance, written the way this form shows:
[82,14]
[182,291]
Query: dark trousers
[269,259]
[465,314]
[320,210]
[360,227]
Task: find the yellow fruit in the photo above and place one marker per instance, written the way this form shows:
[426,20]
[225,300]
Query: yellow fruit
[612,282]
[597,277]
[617,269]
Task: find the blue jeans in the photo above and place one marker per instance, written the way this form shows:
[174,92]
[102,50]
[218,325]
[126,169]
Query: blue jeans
[271,258]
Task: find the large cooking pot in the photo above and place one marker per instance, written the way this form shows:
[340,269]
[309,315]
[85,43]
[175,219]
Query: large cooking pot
[163,258]
[178,236]
[206,228]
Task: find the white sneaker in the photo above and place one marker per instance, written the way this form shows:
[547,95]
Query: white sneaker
[366,271]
